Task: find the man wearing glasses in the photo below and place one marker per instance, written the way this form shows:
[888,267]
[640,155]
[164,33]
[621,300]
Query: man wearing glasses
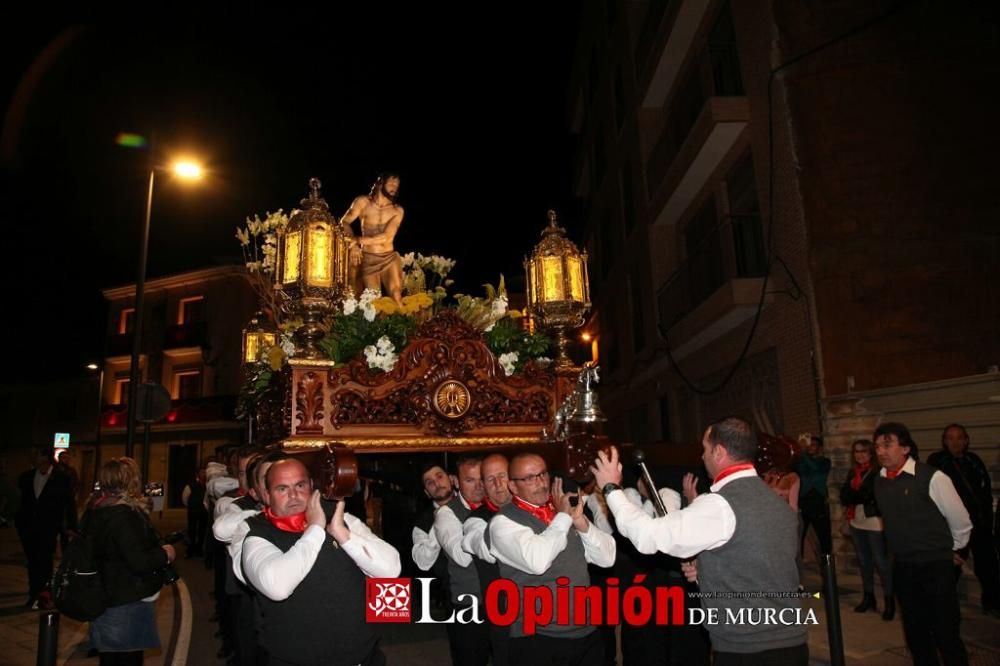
[539,537]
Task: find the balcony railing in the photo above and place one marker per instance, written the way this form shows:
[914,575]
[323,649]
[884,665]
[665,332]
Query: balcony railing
[192,411]
[706,268]
[185,335]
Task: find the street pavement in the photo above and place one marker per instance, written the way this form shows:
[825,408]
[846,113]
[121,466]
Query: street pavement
[187,634]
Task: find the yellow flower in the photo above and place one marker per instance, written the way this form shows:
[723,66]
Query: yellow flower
[275,357]
[384,305]
[416,302]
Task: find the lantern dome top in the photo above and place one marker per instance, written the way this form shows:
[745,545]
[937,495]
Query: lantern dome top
[313,206]
[554,241]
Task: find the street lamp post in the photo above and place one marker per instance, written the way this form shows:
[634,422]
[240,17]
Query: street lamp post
[186,170]
[97,432]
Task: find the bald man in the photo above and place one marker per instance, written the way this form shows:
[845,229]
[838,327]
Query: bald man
[541,536]
[311,586]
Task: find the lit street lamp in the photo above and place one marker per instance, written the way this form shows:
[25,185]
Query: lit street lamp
[184,170]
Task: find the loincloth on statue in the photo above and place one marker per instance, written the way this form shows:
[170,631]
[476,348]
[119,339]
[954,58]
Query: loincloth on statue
[379,263]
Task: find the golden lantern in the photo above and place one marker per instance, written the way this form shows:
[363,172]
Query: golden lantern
[558,286]
[312,268]
[258,335]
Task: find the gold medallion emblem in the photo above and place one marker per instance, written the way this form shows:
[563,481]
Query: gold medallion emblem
[452,399]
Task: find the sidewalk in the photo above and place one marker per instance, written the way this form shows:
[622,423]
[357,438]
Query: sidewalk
[19,625]
[868,640]
[186,633]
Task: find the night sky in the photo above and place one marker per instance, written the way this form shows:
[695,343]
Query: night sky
[473,116]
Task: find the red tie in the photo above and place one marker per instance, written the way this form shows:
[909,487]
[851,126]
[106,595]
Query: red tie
[294,523]
[892,474]
[732,470]
[544,513]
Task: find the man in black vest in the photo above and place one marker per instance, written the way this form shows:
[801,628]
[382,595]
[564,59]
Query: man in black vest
[469,643]
[539,538]
[426,551]
[925,525]
[311,586]
[745,538]
[972,481]
[475,540]
[47,508]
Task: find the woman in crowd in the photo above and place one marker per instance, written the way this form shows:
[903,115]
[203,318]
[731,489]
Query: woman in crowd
[858,497]
[131,562]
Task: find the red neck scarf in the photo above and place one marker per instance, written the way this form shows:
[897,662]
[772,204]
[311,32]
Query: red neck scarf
[892,474]
[472,505]
[544,513]
[490,505]
[732,469]
[295,523]
[860,471]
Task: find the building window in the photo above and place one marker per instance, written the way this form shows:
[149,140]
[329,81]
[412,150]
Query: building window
[681,115]
[187,384]
[665,417]
[619,100]
[607,244]
[638,319]
[724,56]
[126,321]
[191,310]
[628,199]
[744,215]
[704,261]
[121,391]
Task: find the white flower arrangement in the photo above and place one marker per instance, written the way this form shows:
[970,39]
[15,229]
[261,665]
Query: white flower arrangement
[382,355]
[508,362]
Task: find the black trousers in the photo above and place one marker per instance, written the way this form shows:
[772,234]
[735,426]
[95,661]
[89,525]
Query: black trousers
[546,651]
[816,512]
[197,525]
[985,564]
[469,644]
[243,628]
[790,656]
[928,602]
[39,548]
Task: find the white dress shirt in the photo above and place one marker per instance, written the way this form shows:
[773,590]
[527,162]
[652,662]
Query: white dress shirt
[945,497]
[449,533]
[518,546]
[40,481]
[707,523]
[474,539]
[425,548]
[276,574]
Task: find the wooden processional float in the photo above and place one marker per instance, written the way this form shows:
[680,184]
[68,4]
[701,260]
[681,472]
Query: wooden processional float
[447,392]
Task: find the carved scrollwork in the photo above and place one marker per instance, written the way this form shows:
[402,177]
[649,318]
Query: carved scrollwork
[447,383]
[309,404]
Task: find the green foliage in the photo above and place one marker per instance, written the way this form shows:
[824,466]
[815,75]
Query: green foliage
[507,336]
[350,334]
[254,389]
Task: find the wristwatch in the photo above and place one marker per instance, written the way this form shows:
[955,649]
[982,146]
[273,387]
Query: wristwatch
[608,487]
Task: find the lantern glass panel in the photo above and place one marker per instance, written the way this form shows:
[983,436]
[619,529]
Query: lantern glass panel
[290,261]
[256,342]
[319,272]
[575,268]
[552,275]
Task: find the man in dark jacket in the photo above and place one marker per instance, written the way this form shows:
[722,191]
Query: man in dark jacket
[926,526]
[972,481]
[47,508]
